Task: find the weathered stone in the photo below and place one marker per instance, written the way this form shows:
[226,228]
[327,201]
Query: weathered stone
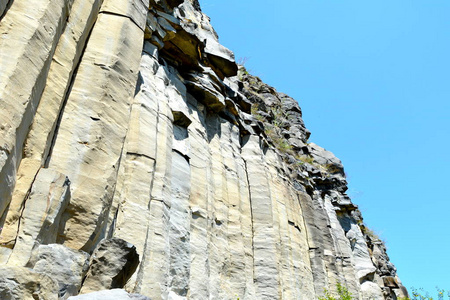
[266,274]
[3,6]
[130,210]
[363,264]
[205,90]
[114,294]
[208,176]
[41,218]
[170,18]
[344,248]
[64,265]
[92,135]
[113,262]
[325,157]
[26,284]
[42,130]
[390,281]
[371,290]
[135,10]
[401,292]
[221,58]
[26,49]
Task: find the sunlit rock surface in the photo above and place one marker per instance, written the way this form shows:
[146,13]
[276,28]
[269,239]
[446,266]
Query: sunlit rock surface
[136,154]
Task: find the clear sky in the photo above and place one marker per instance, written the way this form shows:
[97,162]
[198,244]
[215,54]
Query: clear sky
[373,80]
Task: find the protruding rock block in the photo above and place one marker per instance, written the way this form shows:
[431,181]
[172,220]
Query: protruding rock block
[135,10]
[112,264]
[371,290]
[391,282]
[221,58]
[205,90]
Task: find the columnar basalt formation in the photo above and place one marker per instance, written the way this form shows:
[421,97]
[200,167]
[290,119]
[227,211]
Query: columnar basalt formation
[136,154]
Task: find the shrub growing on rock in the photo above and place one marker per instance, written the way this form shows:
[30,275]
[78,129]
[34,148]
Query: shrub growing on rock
[343,293]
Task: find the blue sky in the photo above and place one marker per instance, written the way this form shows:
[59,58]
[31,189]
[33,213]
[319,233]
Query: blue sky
[373,80]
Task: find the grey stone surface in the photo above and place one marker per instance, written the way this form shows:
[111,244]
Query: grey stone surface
[114,294]
[24,283]
[66,266]
[371,290]
[113,262]
[41,217]
[204,170]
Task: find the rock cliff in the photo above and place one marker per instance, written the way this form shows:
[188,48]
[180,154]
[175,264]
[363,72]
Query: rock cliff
[136,156]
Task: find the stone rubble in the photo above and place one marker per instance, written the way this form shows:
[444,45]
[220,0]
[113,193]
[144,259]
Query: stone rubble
[139,161]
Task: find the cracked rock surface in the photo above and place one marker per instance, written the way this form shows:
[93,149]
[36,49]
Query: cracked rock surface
[139,161]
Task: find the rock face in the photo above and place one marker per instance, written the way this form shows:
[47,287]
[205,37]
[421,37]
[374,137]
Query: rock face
[130,137]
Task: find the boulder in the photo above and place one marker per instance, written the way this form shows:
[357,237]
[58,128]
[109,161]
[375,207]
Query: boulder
[370,291]
[68,267]
[26,284]
[112,264]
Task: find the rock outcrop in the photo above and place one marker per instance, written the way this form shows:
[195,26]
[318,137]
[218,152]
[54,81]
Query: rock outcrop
[130,138]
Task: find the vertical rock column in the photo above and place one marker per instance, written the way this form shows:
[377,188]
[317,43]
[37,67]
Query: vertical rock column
[41,217]
[237,273]
[156,261]
[130,214]
[157,223]
[221,227]
[266,275]
[344,257]
[221,233]
[320,240]
[90,137]
[280,225]
[179,234]
[217,210]
[180,213]
[296,280]
[361,265]
[28,41]
[65,60]
[201,194]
